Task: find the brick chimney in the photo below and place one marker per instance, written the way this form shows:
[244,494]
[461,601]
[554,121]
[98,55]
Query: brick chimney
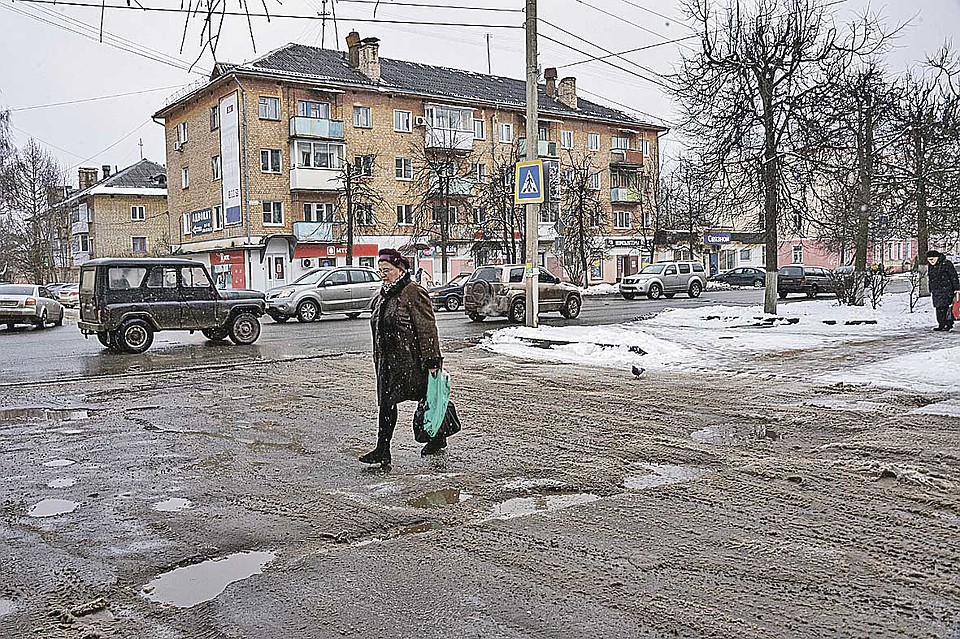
[106,171]
[550,75]
[567,92]
[364,55]
[86,177]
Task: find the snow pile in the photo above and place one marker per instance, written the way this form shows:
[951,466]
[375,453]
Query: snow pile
[601,289]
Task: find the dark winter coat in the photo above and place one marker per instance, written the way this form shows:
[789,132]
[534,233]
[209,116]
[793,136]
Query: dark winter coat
[943,281]
[405,342]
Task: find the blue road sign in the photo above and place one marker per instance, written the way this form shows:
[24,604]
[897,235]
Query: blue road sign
[528,185]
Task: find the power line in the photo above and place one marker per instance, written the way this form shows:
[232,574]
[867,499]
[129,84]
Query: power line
[290,16]
[54,146]
[627,107]
[608,51]
[622,19]
[102,151]
[101,97]
[596,58]
[659,15]
[433,6]
[633,73]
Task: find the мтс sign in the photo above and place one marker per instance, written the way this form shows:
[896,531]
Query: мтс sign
[528,185]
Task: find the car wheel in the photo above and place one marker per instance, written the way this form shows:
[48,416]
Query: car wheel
[42,322]
[476,317]
[783,295]
[758,283]
[655,291]
[217,334]
[307,311]
[695,289]
[107,339]
[572,308]
[814,291]
[134,336]
[452,303]
[518,311]
[353,315]
[244,329]
[279,319]
[628,296]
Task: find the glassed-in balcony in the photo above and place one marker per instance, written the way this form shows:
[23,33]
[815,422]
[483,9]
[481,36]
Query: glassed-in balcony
[313,231]
[545,148]
[624,195]
[456,186]
[320,128]
[626,157]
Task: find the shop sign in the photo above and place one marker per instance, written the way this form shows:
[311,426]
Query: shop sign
[716,237]
[201,222]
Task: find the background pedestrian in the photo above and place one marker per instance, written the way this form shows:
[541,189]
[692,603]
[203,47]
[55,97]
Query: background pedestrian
[944,288]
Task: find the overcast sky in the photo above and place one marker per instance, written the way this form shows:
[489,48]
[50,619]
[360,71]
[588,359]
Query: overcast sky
[44,64]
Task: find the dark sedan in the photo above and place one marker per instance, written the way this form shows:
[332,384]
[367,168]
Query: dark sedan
[450,295]
[744,276]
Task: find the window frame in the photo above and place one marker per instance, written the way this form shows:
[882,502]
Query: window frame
[505,127]
[215,117]
[483,129]
[407,218]
[133,245]
[593,141]
[138,208]
[336,155]
[270,158]
[363,215]
[480,172]
[365,164]
[265,101]
[357,111]
[216,168]
[401,113]
[326,217]
[304,113]
[564,135]
[274,205]
[182,132]
[217,214]
[401,164]
[619,215]
[185,177]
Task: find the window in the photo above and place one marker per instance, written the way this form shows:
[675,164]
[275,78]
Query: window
[182,132]
[797,254]
[215,166]
[311,109]
[596,219]
[186,224]
[269,108]
[644,146]
[479,215]
[137,213]
[195,277]
[593,141]
[505,132]
[139,244]
[214,118]
[83,243]
[319,155]
[402,121]
[185,177]
[273,213]
[744,255]
[595,181]
[621,219]
[361,117]
[450,118]
[318,212]
[125,277]
[620,143]
[647,219]
[670,270]
[217,217]
[515,276]
[269,160]
[162,277]
[404,214]
[480,172]
[450,218]
[566,139]
[363,165]
[404,169]
[684,269]
[479,129]
[549,211]
[363,213]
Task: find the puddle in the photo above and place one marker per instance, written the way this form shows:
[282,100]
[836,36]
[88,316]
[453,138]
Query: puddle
[7,607]
[59,463]
[662,475]
[52,507]
[66,482]
[522,506]
[522,483]
[733,434]
[172,505]
[70,431]
[44,414]
[416,529]
[440,498]
[188,586]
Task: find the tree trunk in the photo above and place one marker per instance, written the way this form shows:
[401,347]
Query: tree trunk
[863,210]
[923,227]
[770,195]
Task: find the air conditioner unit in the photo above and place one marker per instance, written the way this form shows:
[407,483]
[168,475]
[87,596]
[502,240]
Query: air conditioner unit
[306,262]
[420,121]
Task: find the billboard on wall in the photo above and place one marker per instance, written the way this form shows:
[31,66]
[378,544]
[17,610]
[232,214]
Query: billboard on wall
[230,158]
[201,222]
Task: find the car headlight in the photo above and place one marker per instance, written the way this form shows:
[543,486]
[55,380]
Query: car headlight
[283,294]
[434,294]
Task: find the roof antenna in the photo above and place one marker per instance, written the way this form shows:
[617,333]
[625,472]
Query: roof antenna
[489,67]
[323,18]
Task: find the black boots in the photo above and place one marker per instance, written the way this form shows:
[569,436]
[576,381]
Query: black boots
[379,455]
[434,446]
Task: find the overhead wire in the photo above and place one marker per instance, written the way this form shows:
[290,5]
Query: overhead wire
[624,20]
[581,51]
[605,50]
[433,6]
[94,99]
[620,53]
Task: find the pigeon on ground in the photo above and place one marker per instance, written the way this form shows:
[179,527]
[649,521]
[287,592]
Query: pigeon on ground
[638,371]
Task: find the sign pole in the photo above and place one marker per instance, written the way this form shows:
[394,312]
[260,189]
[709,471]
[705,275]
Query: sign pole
[532,217]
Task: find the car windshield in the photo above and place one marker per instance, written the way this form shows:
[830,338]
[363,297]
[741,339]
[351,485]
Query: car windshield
[14,289]
[312,277]
[460,279]
[791,271]
[653,269]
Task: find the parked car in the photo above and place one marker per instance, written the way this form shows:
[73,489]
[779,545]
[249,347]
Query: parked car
[450,295]
[665,278]
[125,301]
[56,286]
[501,290]
[743,276]
[29,304]
[69,295]
[809,280]
[334,289]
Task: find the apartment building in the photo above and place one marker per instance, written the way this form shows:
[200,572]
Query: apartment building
[257,158]
[121,214]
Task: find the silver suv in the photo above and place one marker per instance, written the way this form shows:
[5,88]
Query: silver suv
[341,289]
[501,290]
[665,278]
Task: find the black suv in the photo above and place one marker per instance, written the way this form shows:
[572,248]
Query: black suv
[450,295]
[125,301]
[810,280]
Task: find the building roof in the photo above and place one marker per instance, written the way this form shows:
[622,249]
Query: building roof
[137,179]
[328,66]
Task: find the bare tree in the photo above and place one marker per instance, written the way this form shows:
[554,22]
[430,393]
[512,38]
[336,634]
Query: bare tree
[759,69]
[6,216]
[688,208]
[36,223]
[502,221]
[358,197]
[582,218]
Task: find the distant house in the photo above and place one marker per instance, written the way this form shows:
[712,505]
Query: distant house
[120,215]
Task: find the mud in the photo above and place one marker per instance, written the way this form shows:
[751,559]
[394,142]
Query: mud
[749,502]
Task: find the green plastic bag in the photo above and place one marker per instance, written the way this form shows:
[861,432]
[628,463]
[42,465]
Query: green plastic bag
[438,396]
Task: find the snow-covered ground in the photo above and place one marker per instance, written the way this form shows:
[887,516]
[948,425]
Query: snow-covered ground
[714,337]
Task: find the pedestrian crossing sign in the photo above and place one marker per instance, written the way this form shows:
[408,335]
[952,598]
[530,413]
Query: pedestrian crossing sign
[528,185]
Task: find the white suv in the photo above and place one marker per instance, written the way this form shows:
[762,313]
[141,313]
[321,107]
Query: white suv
[665,278]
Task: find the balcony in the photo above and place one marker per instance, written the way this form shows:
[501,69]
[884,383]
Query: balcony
[545,149]
[302,127]
[626,157]
[625,195]
[313,231]
[451,139]
[314,179]
[80,227]
[458,186]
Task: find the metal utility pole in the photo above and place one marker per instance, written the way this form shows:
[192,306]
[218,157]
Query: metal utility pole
[532,217]
[348,184]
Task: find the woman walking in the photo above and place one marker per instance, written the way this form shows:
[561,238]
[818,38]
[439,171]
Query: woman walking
[406,348]
[944,288]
